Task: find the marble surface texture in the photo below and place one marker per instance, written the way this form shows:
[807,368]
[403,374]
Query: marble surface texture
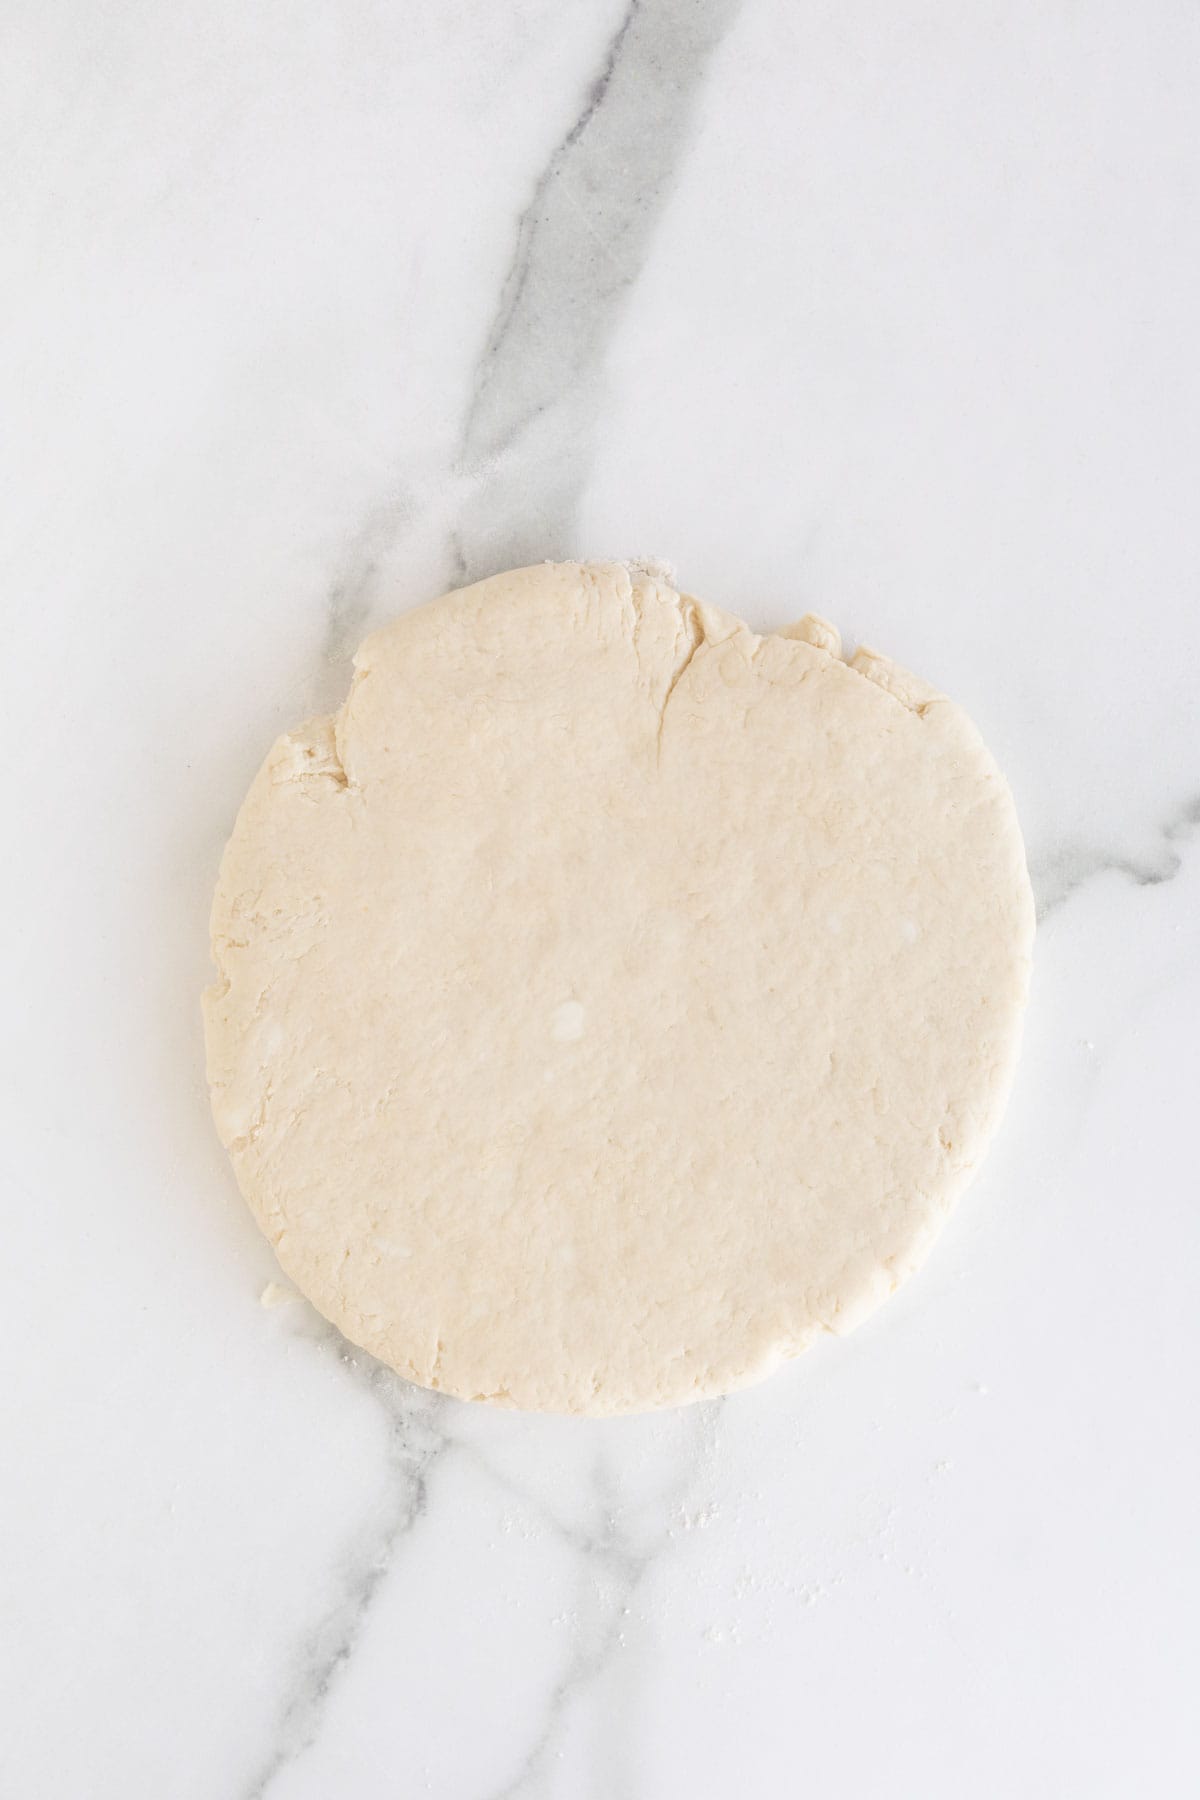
[886,310]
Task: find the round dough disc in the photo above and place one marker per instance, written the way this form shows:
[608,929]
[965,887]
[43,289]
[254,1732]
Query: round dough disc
[611,999]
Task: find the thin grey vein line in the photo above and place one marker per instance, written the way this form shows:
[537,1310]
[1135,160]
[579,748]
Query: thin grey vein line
[348,599]
[587,1663]
[416,1444]
[581,241]
[517,278]
[1062,874]
[527,439]
[613,1571]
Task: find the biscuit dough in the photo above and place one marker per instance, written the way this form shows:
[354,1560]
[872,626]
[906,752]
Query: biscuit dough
[611,999]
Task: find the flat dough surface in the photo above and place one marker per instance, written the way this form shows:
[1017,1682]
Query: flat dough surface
[611,999]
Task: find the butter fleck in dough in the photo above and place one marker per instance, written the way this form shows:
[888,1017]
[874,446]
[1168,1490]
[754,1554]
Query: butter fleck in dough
[611,999]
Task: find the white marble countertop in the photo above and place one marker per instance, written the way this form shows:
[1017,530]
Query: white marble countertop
[306,312]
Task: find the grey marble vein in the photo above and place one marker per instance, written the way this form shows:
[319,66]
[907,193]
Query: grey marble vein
[527,439]
[348,603]
[416,1441]
[608,1582]
[615,1559]
[1072,866]
[526,442]
[351,593]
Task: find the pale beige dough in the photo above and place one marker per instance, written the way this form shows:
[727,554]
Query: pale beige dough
[611,999]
